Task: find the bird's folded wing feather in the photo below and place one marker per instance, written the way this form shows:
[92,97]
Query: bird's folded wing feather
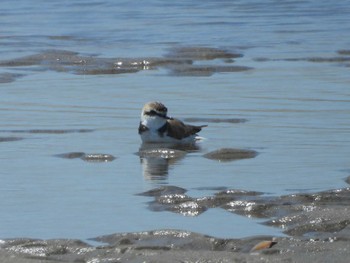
[179,130]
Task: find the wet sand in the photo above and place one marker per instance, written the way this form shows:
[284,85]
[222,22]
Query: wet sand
[316,225]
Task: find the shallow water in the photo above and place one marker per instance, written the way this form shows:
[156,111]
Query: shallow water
[291,92]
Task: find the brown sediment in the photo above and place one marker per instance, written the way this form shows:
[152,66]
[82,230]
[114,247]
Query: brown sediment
[230,154]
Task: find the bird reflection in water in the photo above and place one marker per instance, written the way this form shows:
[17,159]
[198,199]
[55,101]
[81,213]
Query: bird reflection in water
[156,158]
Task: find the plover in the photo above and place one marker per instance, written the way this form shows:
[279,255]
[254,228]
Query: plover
[155,126]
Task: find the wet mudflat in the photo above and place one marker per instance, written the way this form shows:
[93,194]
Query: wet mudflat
[317,228]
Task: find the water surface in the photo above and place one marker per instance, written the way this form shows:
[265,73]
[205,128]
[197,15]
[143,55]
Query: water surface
[293,95]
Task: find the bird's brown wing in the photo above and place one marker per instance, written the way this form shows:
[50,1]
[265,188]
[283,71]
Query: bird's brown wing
[177,129]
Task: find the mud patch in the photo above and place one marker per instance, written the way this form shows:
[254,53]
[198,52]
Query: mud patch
[179,62]
[88,157]
[230,154]
[202,53]
[9,77]
[205,70]
[343,59]
[10,139]
[344,52]
[215,120]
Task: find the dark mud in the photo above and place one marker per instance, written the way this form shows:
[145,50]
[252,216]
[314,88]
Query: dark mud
[178,62]
[88,157]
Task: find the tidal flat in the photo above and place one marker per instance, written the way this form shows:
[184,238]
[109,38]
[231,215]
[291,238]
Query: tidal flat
[316,225]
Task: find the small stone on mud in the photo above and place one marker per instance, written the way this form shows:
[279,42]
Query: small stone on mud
[263,245]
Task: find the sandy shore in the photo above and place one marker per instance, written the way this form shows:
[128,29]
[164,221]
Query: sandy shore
[317,225]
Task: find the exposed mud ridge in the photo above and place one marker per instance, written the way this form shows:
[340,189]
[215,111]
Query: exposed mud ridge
[314,214]
[179,62]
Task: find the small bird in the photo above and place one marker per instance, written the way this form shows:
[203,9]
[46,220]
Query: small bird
[155,126]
